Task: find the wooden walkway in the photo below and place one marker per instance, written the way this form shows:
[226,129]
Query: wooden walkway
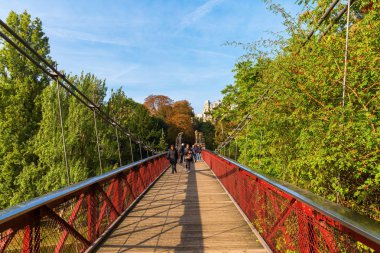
[184,212]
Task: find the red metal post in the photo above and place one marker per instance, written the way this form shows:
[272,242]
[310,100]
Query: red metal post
[27,241]
[107,199]
[73,215]
[91,215]
[103,209]
[64,225]
[128,186]
[141,173]
[25,223]
[127,196]
[313,247]
[37,235]
[116,197]
[6,239]
[280,220]
[303,238]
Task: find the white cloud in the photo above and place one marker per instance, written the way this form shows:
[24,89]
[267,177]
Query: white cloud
[83,36]
[123,73]
[210,53]
[198,13]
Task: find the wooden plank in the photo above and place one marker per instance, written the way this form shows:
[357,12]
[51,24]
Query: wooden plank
[184,212]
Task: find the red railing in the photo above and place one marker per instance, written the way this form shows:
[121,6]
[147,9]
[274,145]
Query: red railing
[73,219]
[290,219]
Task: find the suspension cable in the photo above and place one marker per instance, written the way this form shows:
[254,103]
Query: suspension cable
[236,148]
[261,141]
[118,146]
[344,87]
[97,142]
[63,133]
[130,145]
[320,21]
[72,89]
[335,19]
[245,148]
[140,150]
[346,54]
[243,123]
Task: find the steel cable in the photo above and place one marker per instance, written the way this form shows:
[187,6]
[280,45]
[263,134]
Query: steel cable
[63,134]
[320,21]
[118,146]
[72,89]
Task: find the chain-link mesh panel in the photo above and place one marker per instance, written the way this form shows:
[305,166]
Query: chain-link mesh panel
[286,224]
[72,223]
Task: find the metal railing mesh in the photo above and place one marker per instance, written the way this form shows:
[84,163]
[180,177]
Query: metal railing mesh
[72,223]
[285,223]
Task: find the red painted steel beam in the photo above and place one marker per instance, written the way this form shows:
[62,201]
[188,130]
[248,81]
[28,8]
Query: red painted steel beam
[72,217]
[27,241]
[64,225]
[125,197]
[128,185]
[115,198]
[316,230]
[119,200]
[360,238]
[140,174]
[280,220]
[6,239]
[37,235]
[103,208]
[24,220]
[92,211]
[106,197]
[328,237]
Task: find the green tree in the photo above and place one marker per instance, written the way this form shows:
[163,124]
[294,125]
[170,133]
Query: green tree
[21,85]
[299,131]
[208,130]
[31,146]
[80,127]
[162,145]
[136,118]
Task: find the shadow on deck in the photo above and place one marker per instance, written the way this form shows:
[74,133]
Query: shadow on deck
[184,212]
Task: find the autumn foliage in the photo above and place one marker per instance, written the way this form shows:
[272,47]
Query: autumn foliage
[177,115]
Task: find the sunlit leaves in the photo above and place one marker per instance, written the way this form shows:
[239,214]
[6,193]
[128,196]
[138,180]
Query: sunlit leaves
[300,132]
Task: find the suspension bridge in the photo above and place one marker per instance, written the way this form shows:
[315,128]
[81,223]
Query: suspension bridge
[220,206]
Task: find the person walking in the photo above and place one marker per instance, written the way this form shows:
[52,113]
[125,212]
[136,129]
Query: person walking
[172,156]
[182,152]
[189,157]
[194,148]
[196,152]
[199,152]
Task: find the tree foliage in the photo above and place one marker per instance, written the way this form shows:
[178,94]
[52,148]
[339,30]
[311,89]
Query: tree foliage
[299,131]
[21,86]
[31,145]
[178,116]
[208,130]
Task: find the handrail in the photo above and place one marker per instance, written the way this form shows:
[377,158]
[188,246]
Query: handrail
[351,222]
[27,206]
[359,223]
[77,217]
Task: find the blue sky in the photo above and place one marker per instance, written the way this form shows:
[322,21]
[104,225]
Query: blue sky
[173,47]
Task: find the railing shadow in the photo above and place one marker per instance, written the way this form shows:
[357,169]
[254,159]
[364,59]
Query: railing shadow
[192,234]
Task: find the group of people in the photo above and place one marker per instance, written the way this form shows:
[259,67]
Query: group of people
[182,154]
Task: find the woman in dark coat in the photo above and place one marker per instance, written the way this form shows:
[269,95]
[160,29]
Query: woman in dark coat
[189,157]
[173,157]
